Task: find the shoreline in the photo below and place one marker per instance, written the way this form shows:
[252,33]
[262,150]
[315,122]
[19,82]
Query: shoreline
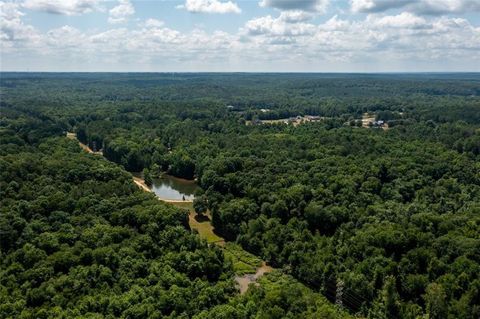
[243,282]
[141,183]
[175,200]
[180,179]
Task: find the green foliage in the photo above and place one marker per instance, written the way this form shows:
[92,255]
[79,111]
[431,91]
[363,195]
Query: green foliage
[200,205]
[80,240]
[276,296]
[394,214]
[242,261]
[147,177]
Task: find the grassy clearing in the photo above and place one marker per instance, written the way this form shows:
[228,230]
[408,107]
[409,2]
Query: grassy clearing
[203,225]
[243,262]
[185,205]
[205,228]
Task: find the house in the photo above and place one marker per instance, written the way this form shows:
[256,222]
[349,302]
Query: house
[312,118]
[379,123]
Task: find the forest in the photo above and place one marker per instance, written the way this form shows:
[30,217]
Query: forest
[392,214]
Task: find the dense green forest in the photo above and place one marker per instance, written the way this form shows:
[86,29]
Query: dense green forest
[391,214]
[80,240]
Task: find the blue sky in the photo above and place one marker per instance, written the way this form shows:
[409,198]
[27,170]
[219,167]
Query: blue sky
[236,35]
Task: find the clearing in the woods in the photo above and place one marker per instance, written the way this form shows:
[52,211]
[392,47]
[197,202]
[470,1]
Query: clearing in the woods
[248,268]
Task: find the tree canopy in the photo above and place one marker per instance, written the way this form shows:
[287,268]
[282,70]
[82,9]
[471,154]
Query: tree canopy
[392,214]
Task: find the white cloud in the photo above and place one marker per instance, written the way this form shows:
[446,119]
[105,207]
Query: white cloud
[210,6]
[404,20]
[377,5]
[448,6]
[65,7]
[405,39]
[289,41]
[121,12]
[430,7]
[293,16]
[12,28]
[319,6]
[283,26]
[10,17]
[153,23]
[65,37]
[335,24]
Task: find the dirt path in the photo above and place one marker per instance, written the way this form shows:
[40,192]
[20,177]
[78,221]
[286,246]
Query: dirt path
[206,230]
[244,281]
[141,183]
[203,225]
[137,180]
[85,147]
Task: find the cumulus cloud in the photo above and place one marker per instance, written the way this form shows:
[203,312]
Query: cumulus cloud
[403,20]
[447,6]
[12,28]
[287,24]
[67,36]
[121,12]
[404,38]
[290,39]
[431,7]
[319,6]
[210,6]
[284,25]
[294,16]
[153,23]
[377,5]
[64,7]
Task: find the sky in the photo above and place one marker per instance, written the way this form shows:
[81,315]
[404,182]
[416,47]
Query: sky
[240,35]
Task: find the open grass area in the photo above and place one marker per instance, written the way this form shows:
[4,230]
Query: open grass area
[185,205]
[203,226]
[243,262]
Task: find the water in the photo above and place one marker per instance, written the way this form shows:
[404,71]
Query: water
[171,188]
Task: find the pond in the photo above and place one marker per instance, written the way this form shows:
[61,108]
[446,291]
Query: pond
[172,188]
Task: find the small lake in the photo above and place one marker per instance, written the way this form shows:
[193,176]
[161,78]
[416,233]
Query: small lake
[169,187]
[173,188]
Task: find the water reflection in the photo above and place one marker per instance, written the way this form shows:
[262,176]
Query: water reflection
[172,188]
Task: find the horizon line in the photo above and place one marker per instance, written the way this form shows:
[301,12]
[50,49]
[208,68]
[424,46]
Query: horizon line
[253,72]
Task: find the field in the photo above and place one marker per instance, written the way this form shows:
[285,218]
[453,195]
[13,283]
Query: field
[202,225]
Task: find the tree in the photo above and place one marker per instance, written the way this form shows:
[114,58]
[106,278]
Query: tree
[435,301]
[387,306]
[200,205]
[147,177]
